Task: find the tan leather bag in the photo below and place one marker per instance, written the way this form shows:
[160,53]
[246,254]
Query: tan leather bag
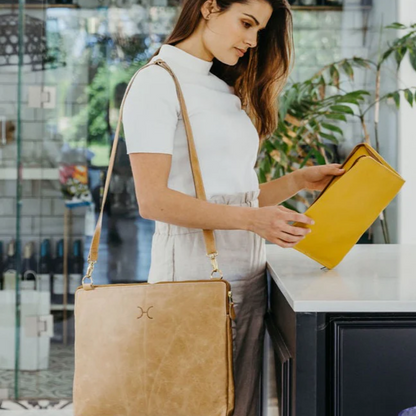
[154,349]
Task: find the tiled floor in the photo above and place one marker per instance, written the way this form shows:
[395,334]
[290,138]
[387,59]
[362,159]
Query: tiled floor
[36,407]
[53,383]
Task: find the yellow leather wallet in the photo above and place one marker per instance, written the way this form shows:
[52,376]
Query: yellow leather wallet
[348,205]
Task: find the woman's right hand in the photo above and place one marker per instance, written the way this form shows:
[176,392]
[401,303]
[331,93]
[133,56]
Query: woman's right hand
[271,223]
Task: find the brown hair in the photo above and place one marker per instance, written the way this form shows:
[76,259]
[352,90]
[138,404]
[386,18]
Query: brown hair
[260,75]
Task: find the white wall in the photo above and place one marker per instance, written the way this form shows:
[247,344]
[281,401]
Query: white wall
[407,140]
[384,12]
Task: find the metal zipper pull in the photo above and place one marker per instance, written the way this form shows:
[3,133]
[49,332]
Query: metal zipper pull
[231,307]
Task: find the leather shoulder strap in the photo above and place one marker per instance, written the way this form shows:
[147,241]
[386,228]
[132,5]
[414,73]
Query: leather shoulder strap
[196,172]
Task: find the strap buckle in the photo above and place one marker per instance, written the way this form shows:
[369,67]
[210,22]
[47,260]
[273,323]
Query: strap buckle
[89,271]
[215,269]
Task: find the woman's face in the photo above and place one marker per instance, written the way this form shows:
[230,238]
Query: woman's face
[237,28]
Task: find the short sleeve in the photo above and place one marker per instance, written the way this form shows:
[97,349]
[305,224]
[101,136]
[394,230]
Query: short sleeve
[150,112]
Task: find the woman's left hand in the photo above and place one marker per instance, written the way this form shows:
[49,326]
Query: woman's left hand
[315,178]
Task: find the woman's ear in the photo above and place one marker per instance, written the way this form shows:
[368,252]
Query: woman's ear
[210,6]
[206,9]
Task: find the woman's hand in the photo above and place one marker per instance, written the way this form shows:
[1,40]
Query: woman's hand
[271,223]
[315,178]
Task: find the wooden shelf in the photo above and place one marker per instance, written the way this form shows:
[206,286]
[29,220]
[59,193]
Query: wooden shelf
[60,307]
[39,6]
[329,8]
[76,6]
[317,8]
[30,173]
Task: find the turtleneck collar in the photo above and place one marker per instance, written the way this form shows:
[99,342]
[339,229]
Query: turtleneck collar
[185,59]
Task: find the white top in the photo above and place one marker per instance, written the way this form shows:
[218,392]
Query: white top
[226,140]
[370,278]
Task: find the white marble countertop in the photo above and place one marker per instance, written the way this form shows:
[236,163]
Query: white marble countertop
[370,278]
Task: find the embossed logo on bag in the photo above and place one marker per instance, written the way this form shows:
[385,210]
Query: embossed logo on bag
[147,312]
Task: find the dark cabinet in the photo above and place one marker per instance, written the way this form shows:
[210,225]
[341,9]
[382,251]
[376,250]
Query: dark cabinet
[283,368]
[373,368]
[341,363]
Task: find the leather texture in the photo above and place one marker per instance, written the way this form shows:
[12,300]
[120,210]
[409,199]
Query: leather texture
[348,205]
[161,349]
[154,349]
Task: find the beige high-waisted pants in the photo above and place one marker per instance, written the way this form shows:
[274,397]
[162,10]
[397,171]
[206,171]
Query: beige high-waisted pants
[179,253]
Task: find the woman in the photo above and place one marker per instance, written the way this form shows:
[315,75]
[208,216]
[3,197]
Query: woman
[231,59]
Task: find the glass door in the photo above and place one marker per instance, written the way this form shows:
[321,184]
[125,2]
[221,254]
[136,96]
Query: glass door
[64,67]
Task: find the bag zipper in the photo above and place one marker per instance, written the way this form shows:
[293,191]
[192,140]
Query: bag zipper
[231,305]
[335,177]
[229,298]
